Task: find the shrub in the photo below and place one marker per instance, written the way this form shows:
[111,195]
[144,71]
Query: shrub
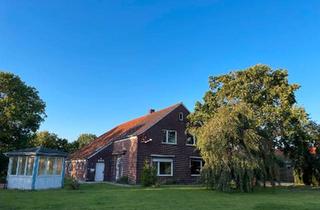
[149,174]
[123,180]
[72,183]
[3,177]
[170,182]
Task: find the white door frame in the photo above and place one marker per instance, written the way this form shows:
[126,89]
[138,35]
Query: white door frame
[119,167]
[99,172]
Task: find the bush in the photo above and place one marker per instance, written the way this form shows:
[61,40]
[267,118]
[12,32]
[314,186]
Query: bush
[3,177]
[149,175]
[123,180]
[72,183]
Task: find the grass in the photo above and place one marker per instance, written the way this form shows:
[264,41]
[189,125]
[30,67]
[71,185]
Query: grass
[105,196]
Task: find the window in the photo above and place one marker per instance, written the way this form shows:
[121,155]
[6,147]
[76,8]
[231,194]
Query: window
[195,167]
[21,165]
[51,161]
[29,169]
[164,166]
[14,164]
[50,166]
[42,166]
[58,166]
[191,140]
[170,137]
[181,116]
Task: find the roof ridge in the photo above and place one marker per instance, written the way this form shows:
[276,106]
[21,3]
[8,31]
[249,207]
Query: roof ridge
[173,108]
[137,118]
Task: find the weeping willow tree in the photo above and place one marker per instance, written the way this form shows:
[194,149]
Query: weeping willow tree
[229,145]
[242,119]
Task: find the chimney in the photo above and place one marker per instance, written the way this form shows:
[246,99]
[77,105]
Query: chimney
[151,111]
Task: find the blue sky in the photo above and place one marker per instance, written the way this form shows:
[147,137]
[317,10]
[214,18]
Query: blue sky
[99,63]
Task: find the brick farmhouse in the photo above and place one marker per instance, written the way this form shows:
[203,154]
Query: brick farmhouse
[159,137]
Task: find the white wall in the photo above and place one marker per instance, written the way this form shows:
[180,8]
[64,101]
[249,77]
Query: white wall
[45,182]
[20,182]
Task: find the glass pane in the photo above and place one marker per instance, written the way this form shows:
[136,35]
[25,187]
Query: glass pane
[58,166]
[30,166]
[14,163]
[42,166]
[195,166]
[190,140]
[164,136]
[22,165]
[165,168]
[51,161]
[171,137]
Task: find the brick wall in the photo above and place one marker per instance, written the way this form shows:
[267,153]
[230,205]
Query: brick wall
[76,169]
[181,152]
[103,156]
[127,149]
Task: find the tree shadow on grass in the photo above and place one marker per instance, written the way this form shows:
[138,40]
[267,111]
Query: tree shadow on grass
[273,206]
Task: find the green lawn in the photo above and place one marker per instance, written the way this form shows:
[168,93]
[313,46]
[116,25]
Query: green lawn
[105,196]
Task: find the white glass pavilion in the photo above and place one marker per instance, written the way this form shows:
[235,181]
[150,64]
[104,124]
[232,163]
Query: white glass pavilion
[35,168]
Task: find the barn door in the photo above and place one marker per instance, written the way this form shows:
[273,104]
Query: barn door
[99,172]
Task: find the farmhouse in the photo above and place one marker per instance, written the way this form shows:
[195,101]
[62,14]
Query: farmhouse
[159,137]
[35,168]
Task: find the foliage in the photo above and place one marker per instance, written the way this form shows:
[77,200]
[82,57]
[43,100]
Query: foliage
[3,177]
[123,180]
[149,174]
[229,144]
[271,107]
[81,141]
[85,139]
[307,165]
[50,140]
[21,112]
[71,183]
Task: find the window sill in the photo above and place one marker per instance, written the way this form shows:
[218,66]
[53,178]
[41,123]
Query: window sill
[20,175]
[191,145]
[168,175]
[195,174]
[169,143]
[55,175]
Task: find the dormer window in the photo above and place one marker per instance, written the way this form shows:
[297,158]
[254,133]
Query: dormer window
[181,116]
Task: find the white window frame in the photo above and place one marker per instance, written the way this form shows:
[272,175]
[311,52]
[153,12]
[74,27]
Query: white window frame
[194,141]
[54,173]
[18,165]
[27,163]
[197,160]
[10,166]
[167,137]
[163,160]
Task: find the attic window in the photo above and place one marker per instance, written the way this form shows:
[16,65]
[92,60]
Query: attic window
[181,116]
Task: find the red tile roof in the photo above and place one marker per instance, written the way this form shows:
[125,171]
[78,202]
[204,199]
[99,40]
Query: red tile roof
[131,128]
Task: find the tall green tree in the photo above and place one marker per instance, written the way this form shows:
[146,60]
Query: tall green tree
[270,97]
[85,139]
[303,149]
[21,112]
[229,143]
[50,140]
